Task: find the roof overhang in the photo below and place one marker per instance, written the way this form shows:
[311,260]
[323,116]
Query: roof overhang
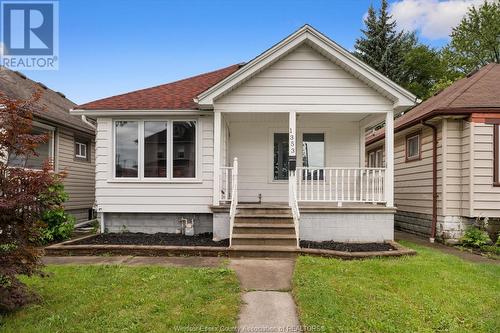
[120,113]
[464,112]
[402,98]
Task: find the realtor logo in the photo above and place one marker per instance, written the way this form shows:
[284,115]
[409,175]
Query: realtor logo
[29,33]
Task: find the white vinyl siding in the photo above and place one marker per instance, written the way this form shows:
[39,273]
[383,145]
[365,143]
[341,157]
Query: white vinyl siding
[304,81]
[154,196]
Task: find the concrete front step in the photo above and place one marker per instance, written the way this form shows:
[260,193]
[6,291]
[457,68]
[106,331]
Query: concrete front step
[264,228]
[265,211]
[275,218]
[264,239]
[262,251]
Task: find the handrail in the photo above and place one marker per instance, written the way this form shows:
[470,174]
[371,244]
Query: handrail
[234,199]
[294,205]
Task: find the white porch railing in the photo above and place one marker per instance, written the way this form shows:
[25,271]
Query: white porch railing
[364,185]
[226,183]
[234,198]
[294,205]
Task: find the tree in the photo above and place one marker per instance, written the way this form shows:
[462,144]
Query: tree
[24,195]
[475,42]
[422,68]
[382,46]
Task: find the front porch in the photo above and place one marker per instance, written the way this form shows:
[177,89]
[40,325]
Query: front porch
[322,154]
[309,167]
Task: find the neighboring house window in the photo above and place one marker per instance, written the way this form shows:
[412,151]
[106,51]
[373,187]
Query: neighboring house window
[496,155]
[280,153]
[45,152]
[413,147]
[81,149]
[376,158]
[165,149]
[313,154]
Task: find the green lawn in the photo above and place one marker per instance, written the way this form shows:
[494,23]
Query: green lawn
[128,299]
[430,292]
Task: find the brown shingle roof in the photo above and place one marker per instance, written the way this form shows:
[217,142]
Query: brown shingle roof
[480,91]
[177,95]
[54,106]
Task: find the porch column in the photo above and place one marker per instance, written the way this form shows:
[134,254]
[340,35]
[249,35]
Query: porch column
[362,147]
[217,146]
[292,152]
[389,159]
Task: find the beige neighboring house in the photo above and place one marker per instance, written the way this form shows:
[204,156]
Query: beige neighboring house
[442,185]
[71,145]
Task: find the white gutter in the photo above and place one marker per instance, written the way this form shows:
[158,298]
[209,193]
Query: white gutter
[84,119]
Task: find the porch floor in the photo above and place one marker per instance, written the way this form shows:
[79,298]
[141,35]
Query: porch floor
[317,207]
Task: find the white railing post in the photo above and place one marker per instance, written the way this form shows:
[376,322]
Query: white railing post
[294,205]
[234,199]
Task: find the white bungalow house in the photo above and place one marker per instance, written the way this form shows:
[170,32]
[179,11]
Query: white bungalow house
[264,153]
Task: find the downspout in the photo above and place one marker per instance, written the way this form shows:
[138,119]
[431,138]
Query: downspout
[434,180]
[85,120]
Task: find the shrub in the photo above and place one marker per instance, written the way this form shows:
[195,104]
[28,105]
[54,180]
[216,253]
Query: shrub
[24,196]
[57,224]
[475,237]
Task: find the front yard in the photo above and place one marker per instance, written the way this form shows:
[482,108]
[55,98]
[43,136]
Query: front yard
[128,299]
[430,292]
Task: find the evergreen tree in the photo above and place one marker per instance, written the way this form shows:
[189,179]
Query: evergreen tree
[382,47]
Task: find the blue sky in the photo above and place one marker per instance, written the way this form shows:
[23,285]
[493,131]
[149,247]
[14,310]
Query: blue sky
[110,47]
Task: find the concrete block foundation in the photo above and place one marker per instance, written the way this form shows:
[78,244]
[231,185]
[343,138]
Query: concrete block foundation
[151,223]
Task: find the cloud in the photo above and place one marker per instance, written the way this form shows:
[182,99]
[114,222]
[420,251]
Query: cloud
[432,18]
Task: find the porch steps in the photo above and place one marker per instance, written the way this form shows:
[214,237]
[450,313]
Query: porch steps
[263,231]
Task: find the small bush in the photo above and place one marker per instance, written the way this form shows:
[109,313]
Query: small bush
[58,225]
[475,237]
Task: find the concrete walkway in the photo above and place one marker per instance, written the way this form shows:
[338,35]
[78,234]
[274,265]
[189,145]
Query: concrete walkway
[398,235]
[268,305]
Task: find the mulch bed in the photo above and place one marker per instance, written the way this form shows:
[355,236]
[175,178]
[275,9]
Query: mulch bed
[129,238]
[347,247]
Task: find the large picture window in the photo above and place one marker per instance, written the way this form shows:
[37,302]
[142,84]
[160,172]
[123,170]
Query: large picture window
[184,149]
[156,149]
[44,152]
[280,159]
[126,149]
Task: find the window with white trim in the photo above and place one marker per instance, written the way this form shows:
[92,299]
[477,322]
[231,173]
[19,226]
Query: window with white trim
[155,149]
[81,149]
[44,152]
[413,147]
